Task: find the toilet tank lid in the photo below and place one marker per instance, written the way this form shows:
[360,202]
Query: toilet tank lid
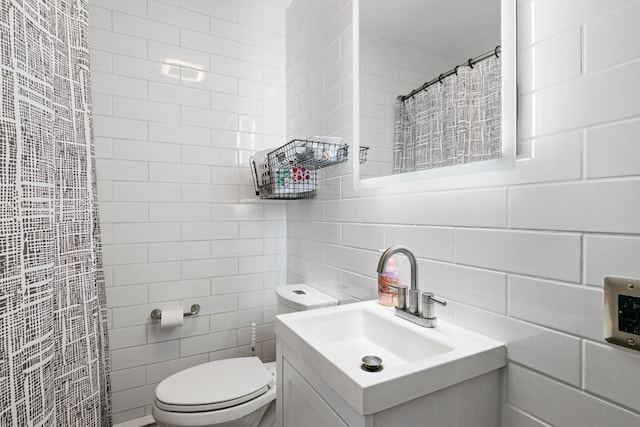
[303,297]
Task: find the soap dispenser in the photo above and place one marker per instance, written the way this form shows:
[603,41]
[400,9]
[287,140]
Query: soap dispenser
[388,281]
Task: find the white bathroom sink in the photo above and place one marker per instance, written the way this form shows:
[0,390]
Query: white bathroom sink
[358,330]
[416,361]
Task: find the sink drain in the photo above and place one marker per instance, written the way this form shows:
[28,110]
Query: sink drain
[371,364]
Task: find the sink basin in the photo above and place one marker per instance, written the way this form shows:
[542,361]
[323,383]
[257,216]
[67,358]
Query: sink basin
[416,361]
[362,329]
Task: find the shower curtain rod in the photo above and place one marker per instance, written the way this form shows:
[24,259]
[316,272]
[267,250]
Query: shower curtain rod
[469,63]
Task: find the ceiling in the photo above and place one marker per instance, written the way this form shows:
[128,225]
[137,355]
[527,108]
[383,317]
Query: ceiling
[280,4]
[451,29]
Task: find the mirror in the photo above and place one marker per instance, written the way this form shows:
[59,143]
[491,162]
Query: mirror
[407,44]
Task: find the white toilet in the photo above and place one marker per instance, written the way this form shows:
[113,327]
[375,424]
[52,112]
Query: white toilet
[238,392]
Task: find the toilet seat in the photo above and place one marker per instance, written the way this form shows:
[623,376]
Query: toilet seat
[214,386]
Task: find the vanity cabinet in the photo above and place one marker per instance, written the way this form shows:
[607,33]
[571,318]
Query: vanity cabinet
[305,399]
[431,377]
[302,405]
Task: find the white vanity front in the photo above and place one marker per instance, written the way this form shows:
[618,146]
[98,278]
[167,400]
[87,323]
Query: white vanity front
[444,376]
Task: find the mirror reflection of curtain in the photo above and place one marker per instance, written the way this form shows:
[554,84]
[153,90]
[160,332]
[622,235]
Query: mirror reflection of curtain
[54,360]
[452,122]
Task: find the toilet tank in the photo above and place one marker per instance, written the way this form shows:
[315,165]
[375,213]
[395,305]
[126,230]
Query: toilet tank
[301,297]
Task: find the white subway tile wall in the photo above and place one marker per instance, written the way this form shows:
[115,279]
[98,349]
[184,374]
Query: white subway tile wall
[183,92]
[521,255]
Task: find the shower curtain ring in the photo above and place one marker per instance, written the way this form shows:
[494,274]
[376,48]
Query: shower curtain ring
[455,70]
[470,62]
[440,78]
[497,51]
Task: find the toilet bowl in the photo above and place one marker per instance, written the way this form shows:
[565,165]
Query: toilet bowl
[237,392]
[224,393]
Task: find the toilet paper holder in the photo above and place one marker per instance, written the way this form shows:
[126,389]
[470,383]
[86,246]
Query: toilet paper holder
[156,313]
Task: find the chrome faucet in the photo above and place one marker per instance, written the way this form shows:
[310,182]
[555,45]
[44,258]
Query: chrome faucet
[411,311]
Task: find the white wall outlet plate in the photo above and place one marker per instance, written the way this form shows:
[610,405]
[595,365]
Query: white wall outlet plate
[622,311]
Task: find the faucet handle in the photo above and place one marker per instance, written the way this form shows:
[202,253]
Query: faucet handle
[428,311]
[434,298]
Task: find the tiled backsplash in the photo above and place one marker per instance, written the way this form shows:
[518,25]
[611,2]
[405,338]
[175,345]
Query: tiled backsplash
[183,92]
[520,254]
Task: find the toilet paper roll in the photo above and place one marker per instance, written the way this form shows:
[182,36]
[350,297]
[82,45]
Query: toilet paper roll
[171,318]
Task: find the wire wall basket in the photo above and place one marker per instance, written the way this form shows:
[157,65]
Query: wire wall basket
[291,171]
[363,154]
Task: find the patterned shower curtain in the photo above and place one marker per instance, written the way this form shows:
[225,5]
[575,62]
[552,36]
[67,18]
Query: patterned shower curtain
[453,122]
[53,341]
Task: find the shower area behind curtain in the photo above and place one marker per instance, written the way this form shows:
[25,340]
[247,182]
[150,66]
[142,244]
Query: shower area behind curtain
[53,343]
[452,122]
